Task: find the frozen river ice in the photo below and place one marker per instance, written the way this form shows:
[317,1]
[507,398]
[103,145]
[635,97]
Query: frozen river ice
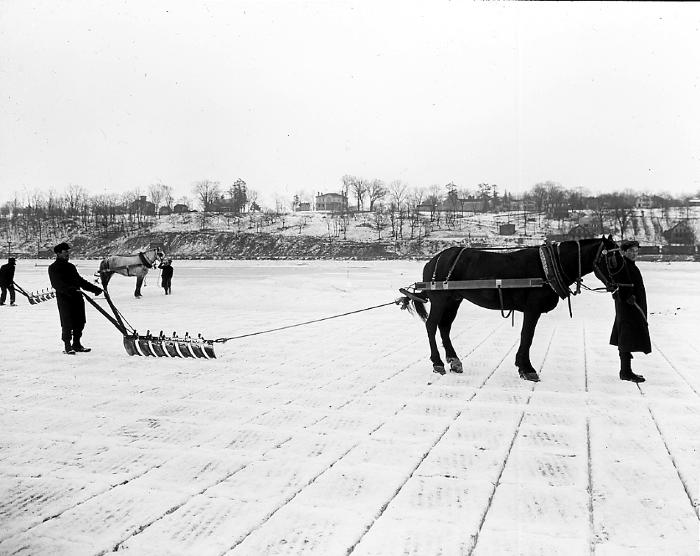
[336,437]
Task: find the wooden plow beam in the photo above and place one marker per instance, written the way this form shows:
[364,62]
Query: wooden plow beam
[155,346]
[491,283]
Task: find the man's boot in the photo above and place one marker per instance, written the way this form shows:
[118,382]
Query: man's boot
[77,346]
[626,368]
[67,347]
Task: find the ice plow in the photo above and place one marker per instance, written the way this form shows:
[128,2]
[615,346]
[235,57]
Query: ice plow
[35,297]
[159,345]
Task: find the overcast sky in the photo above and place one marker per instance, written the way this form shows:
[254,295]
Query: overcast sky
[292,95]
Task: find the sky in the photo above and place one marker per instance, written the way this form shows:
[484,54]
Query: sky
[290,96]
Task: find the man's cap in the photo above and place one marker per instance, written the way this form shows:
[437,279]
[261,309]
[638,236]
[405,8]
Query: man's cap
[628,243]
[63,246]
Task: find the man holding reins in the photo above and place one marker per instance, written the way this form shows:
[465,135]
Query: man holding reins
[630,331]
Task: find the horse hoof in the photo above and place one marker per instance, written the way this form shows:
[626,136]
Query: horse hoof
[439,369]
[527,374]
[455,365]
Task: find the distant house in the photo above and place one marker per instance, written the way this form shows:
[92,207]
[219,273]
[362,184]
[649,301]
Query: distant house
[222,204]
[304,205]
[680,234]
[527,205]
[332,202]
[427,207]
[506,229]
[142,206]
[466,204]
[649,201]
[180,209]
[164,211]
[644,202]
[472,204]
[694,202]
[582,231]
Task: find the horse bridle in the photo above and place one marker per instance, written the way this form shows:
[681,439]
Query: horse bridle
[606,255]
[158,256]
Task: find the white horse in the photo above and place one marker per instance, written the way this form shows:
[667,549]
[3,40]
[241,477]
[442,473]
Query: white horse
[130,265]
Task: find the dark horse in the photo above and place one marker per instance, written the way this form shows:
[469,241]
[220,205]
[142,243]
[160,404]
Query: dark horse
[559,266]
[129,265]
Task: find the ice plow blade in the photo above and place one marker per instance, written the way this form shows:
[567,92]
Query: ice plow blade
[169,346]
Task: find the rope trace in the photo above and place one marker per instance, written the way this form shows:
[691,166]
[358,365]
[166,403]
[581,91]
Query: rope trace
[226,339]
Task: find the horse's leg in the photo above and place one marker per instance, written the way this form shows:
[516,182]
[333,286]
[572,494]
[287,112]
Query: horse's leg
[437,308]
[445,326]
[139,281]
[522,357]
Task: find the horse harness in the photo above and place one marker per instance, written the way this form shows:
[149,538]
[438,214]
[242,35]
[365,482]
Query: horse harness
[555,277]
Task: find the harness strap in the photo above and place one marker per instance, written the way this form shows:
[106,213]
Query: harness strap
[500,298]
[449,272]
[454,264]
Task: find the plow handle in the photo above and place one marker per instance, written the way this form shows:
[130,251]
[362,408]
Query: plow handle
[109,317]
[20,290]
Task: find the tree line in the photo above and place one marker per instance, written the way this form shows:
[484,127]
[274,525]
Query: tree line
[393,206]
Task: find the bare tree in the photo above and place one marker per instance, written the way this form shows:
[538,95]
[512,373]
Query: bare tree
[375,192]
[156,191]
[621,207]
[359,187]
[168,197]
[75,195]
[253,200]
[207,191]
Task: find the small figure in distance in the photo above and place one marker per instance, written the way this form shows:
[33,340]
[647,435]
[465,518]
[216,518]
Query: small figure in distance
[71,305]
[166,269]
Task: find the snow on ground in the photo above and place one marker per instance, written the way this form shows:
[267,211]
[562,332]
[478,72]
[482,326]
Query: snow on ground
[335,437]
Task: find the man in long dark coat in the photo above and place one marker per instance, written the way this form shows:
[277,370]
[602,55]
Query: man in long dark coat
[7,278]
[630,331]
[71,306]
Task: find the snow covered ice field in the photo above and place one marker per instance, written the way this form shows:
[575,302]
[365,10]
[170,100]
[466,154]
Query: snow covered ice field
[336,437]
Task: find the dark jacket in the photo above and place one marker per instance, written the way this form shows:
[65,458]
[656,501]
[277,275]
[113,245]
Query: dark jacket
[7,274]
[68,283]
[166,274]
[630,331]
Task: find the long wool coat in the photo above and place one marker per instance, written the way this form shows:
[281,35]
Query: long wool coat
[68,283]
[166,275]
[7,275]
[630,331]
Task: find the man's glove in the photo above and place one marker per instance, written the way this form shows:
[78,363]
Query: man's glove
[631,300]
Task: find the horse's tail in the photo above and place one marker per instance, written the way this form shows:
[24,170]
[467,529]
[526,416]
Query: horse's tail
[420,310]
[414,302]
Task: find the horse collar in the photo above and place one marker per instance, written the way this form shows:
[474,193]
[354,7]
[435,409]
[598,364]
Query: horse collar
[144,260]
[552,270]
